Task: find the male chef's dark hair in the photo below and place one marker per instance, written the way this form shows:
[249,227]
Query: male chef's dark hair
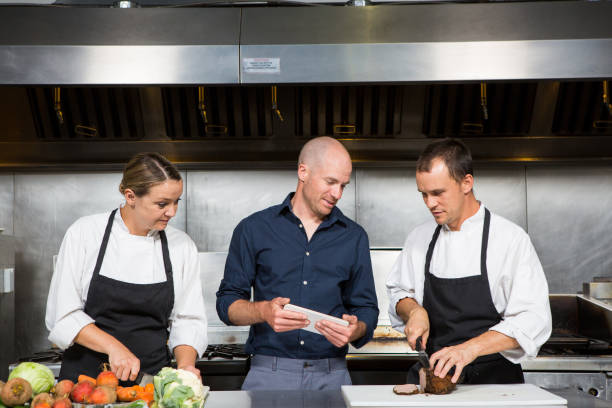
[145,170]
[453,152]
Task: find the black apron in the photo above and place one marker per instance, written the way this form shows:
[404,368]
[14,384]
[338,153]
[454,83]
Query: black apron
[137,315]
[460,309]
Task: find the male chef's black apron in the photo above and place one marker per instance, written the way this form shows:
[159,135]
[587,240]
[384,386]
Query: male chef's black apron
[460,309]
[137,315]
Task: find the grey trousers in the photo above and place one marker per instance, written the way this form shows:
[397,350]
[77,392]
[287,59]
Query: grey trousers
[277,373]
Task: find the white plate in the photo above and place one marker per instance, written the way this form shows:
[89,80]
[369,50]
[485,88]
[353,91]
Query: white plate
[314,317]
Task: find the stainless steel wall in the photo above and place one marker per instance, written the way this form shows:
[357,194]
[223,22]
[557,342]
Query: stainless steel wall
[219,199]
[564,209]
[569,222]
[7,196]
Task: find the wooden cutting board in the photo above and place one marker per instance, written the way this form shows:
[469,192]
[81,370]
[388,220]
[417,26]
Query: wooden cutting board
[378,396]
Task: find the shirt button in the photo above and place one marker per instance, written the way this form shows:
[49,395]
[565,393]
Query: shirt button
[307,253]
[301,342]
[305,282]
[301,226]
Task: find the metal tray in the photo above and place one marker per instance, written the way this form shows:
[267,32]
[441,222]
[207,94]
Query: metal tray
[115,405]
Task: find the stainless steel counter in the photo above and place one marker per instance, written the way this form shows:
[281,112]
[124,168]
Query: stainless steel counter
[566,363]
[333,399]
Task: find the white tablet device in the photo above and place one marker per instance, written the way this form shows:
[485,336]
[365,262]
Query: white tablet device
[314,317]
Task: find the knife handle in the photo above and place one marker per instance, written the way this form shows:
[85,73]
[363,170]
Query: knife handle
[419,344]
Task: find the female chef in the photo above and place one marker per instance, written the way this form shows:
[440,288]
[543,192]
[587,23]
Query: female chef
[126,288]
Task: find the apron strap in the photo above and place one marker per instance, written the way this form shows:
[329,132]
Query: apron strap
[166,255]
[107,231]
[485,243]
[430,250]
[168,269]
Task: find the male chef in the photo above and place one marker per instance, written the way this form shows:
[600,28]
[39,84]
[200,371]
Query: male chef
[303,251]
[468,283]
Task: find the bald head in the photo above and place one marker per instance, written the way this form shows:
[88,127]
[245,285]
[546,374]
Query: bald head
[320,150]
[324,170]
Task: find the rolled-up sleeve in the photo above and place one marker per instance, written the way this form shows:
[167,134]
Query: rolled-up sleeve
[527,317]
[239,272]
[401,283]
[188,324]
[64,316]
[359,295]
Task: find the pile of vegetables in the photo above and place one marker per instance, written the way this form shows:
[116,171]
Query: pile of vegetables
[33,383]
[178,389]
[27,380]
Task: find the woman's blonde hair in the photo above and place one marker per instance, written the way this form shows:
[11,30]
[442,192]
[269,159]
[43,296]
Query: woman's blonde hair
[145,170]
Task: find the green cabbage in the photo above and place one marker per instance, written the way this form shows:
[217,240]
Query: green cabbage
[40,377]
[179,389]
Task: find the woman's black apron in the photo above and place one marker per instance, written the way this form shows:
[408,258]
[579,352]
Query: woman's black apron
[460,309]
[137,315]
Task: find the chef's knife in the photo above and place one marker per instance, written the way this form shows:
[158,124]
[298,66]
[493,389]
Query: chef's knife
[422,356]
[143,379]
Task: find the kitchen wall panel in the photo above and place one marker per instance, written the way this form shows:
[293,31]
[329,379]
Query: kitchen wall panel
[389,205]
[569,223]
[218,200]
[565,210]
[503,191]
[47,204]
[7,195]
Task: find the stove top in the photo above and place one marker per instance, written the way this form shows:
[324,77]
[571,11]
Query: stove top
[52,355]
[563,343]
[225,352]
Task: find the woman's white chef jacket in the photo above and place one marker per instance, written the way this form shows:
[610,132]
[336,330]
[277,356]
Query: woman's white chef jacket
[128,258]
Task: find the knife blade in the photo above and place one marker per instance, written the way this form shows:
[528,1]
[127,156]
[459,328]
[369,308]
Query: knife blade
[143,379]
[422,356]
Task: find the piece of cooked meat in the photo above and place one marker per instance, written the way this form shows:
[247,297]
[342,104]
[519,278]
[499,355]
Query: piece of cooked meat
[428,384]
[433,384]
[406,389]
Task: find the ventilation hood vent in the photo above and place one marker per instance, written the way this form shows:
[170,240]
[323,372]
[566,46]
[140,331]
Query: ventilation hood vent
[99,46]
[407,43]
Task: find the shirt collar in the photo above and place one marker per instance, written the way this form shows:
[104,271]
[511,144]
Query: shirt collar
[471,222]
[121,224]
[335,215]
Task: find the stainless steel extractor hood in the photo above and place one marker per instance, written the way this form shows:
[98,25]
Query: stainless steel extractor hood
[428,42]
[101,46]
[323,44]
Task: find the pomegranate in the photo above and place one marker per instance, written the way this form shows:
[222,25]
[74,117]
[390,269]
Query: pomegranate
[102,395]
[81,391]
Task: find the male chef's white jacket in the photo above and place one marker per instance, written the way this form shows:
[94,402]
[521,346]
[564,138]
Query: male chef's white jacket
[516,279]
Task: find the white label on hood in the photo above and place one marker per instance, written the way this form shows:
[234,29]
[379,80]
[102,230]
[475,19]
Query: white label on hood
[261,65]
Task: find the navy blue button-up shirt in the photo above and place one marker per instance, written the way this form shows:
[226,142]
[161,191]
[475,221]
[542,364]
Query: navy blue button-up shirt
[331,273]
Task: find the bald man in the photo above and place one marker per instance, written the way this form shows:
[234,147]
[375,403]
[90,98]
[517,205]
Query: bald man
[307,253]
